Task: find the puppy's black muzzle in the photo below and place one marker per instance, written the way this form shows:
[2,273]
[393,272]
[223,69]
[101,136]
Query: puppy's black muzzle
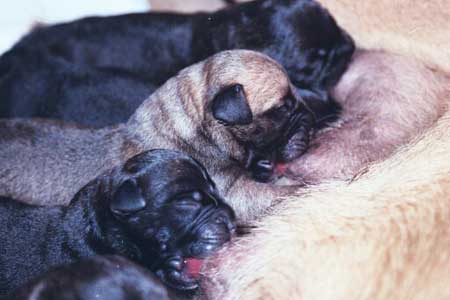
[287,144]
[209,234]
[212,228]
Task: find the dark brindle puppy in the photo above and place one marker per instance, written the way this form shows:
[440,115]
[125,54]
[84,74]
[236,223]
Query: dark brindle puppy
[97,71]
[158,209]
[226,112]
[96,278]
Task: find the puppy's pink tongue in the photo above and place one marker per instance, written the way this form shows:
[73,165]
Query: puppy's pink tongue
[280,169]
[193,266]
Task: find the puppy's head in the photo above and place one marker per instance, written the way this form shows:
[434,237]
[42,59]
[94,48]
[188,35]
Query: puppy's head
[98,277]
[173,213]
[302,36]
[252,112]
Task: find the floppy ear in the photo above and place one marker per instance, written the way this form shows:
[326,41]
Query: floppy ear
[127,199]
[230,106]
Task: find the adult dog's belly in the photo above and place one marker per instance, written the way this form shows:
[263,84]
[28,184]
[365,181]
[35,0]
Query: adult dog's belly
[387,100]
[385,235]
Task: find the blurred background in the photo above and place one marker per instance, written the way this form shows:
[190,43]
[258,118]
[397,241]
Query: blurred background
[19,16]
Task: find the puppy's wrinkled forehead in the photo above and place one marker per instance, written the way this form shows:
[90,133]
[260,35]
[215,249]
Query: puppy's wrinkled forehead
[264,81]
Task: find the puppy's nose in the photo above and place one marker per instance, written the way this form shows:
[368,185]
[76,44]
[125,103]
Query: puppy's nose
[263,170]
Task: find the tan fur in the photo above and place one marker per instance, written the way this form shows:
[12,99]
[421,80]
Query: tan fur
[385,235]
[387,100]
[45,162]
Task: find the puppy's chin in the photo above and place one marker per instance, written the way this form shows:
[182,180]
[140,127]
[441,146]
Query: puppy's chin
[268,172]
[181,271]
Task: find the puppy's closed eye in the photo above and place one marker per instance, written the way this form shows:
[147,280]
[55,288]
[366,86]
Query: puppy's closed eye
[190,201]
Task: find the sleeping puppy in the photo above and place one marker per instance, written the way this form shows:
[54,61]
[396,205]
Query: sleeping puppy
[160,209]
[224,112]
[97,71]
[99,277]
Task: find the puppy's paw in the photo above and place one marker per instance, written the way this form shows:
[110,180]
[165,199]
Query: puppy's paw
[297,137]
[296,146]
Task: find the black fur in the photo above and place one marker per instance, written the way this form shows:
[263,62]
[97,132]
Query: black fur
[230,106]
[160,208]
[96,71]
[97,278]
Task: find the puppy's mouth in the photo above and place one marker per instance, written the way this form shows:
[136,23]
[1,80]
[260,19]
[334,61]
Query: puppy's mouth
[181,273]
[212,228]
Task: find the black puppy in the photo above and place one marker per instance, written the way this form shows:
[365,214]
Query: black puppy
[97,278]
[159,209]
[96,71]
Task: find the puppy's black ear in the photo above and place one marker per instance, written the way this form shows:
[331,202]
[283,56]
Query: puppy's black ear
[127,199]
[230,106]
